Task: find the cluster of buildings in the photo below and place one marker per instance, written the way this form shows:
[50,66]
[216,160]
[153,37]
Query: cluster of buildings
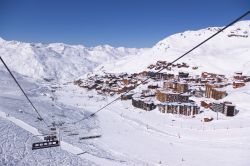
[240,80]
[109,84]
[215,91]
[145,103]
[188,109]
[226,108]
[169,92]
[164,64]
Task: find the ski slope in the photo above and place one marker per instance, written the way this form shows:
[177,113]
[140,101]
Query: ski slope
[130,136]
[215,56]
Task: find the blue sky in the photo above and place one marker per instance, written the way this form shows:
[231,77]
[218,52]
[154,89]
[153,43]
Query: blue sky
[129,23]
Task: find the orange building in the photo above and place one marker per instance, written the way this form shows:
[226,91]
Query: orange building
[215,91]
[168,96]
[182,87]
[238,84]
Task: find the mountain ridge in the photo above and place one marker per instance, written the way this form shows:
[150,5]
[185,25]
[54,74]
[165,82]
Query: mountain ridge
[63,62]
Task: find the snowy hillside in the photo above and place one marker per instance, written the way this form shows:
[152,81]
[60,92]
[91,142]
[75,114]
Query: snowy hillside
[67,62]
[58,61]
[226,53]
[129,135]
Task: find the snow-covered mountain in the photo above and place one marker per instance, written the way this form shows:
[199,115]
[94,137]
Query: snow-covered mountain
[130,136]
[225,53]
[58,61]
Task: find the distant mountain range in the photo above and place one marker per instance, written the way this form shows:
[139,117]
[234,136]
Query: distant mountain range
[226,53]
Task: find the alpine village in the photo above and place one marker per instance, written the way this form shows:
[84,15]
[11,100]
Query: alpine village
[168,92]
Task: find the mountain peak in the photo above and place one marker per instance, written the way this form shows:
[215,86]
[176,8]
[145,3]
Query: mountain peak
[1,40]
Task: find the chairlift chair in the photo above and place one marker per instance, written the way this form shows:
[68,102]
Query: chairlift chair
[89,137]
[45,144]
[50,140]
[73,134]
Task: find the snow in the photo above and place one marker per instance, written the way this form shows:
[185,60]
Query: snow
[209,57]
[130,136]
[16,150]
[57,61]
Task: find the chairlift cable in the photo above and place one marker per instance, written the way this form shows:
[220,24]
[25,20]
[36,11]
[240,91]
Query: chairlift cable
[39,115]
[165,67]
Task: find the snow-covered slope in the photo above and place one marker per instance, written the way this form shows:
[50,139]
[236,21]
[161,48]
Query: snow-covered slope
[130,136]
[57,61]
[226,53]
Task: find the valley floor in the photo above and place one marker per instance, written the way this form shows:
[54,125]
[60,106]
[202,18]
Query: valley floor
[129,136]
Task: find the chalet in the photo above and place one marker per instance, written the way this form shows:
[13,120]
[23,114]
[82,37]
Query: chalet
[183,65]
[206,104]
[170,85]
[182,87]
[151,66]
[153,86]
[143,74]
[183,75]
[165,96]
[77,82]
[204,74]
[158,67]
[192,79]
[161,63]
[215,91]
[168,96]
[217,107]
[247,79]
[204,81]
[98,81]
[143,103]
[123,75]
[151,74]
[188,109]
[111,93]
[163,76]
[133,75]
[133,81]
[238,84]
[198,92]
[212,76]
[105,90]
[218,93]
[123,89]
[238,76]
[99,87]
[127,96]
[207,119]
[227,108]
[195,67]
[148,93]
[126,81]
